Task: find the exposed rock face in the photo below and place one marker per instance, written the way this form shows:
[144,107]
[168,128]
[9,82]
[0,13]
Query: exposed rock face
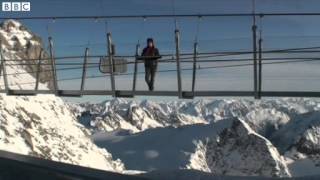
[302,133]
[238,150]
[25,46]
[309,142]
[299,141]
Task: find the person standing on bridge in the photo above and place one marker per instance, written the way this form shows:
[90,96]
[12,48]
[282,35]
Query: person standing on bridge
[150,55]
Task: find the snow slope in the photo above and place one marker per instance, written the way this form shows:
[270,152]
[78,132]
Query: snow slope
[158,148]
[302,131]
[42,125]
[175,148]
[299,140]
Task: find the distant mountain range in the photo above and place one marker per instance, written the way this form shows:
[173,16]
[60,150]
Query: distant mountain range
[276,137]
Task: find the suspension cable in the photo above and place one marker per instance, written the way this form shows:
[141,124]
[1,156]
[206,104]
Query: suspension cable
[174,14]
[204,54]
[198,29]
[173,70]
[96,65]
[164,16]
[144,20]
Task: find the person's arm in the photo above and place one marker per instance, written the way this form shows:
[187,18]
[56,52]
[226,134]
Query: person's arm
[142,55]
[144,52]
[157,54]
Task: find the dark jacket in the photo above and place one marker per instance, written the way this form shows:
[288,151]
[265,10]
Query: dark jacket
[150,56]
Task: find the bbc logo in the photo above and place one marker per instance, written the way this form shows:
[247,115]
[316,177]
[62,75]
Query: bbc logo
[16,6]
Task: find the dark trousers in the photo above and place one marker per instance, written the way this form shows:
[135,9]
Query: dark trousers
[150,75]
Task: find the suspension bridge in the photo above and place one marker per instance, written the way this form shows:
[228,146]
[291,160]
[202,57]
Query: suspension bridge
[112,65]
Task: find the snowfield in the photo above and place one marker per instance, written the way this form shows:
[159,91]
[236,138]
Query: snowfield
[159,148]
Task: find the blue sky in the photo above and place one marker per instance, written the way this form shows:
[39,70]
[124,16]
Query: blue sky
[215,34]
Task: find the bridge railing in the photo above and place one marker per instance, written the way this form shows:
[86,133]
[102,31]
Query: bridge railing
[252,70]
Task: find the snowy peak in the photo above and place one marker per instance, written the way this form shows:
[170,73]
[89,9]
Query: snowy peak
[302,132]
[130,115]
[265,117]
[309,142]
[17,38]
[21,48]
[14,35]
[238,150]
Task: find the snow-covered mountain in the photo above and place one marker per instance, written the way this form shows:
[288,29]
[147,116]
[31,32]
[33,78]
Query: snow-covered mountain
[22,48]
[299,140]
[132,115]
[283,133]
[42,125]
[265,116]
[239,151]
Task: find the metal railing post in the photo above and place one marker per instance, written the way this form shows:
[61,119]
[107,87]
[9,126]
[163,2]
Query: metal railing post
[53,68]
[135,69]
[194,68]
[110,55]
[1,57]
[4,71]
[177,41]
[260,67]
[84,70]
[254,38]
[38,71]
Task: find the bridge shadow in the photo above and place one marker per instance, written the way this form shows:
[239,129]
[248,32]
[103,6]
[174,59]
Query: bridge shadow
[17,167]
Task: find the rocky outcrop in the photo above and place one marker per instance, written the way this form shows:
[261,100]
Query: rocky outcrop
[25,47]
[238,150]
